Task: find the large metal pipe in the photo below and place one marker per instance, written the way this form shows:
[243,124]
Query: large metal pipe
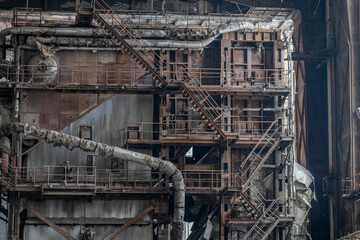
[136,18]
[192,44]
[71,142]
[96,32]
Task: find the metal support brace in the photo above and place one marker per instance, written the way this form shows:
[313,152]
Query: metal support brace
[129,223]
[49,222]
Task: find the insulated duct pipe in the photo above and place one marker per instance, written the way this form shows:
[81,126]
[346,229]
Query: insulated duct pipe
[192,44]
[68,18]
[75,32]
[97,32]
[104,150]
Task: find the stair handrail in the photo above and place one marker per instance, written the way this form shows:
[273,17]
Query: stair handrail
[263,216]
[112,14]
[202,92]
[260,141]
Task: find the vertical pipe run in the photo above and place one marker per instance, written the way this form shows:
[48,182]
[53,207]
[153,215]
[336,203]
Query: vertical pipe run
[330,74]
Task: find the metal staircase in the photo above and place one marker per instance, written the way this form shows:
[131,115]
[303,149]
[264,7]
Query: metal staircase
[266,223]
[269,217]
[260,153]
[203,103]
[121,32]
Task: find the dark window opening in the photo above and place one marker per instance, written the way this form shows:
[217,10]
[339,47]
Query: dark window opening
[86,132]
[117,164]
[279,54]
[89,164]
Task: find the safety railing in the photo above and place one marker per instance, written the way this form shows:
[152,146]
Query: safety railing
[193,129]
[179,129]
[233,77]
[118,74]
[349,185]
[202,179]
[261,152]
[87,176]
[99,75]
[257,128]
[265,224]
[69,176]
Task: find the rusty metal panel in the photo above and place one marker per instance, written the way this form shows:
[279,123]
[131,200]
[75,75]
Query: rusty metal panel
[267,36]
[66,119]
[86,102]
[256,58]
[107,57]
[258,36]
[249,36]
[239,56]
[50,102]
[32,118]
[31,102]
[49,120]
[88,67]
[69,103]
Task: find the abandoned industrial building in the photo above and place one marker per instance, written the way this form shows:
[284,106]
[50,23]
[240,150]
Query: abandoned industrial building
[179,119]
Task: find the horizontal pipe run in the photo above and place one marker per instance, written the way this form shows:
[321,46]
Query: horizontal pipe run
[106,151]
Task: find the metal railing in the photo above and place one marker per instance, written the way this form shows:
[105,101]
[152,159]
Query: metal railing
[87,176]
[179,129]
[99,75]
[205,179]
[349,185]
[261,152]
[118,74]
[193,129]
[199,97]
[280,207]
[71,176]
[233,77]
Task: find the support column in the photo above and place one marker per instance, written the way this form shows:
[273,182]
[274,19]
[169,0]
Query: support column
[15,207]
[226,167]
[222,219]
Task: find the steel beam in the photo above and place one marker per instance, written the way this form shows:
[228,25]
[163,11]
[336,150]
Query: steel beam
[50,223]
[129,223]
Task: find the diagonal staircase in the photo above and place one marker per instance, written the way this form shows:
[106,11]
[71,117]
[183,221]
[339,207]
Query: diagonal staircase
[269,218]
[259,154]
[119,36]
[266,223]
[121,32]
[241,199]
